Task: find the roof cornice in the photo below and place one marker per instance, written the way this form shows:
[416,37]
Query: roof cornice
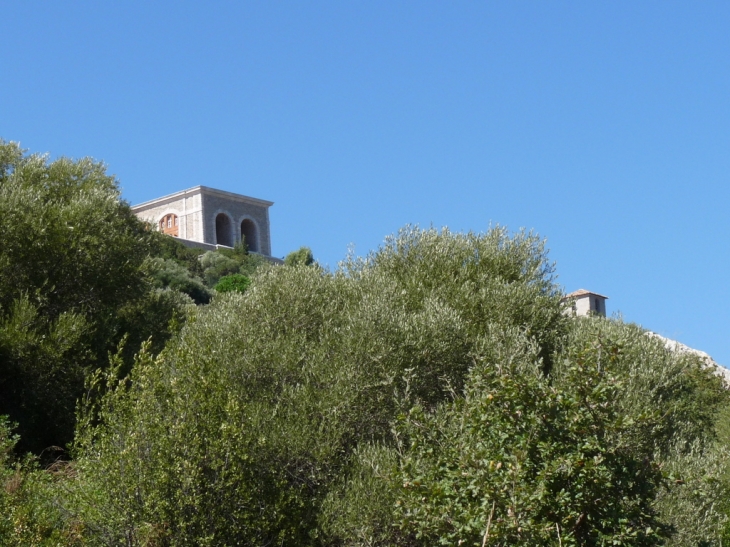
[201,190]
[237,197]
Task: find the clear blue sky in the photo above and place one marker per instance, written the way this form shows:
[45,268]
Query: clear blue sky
[603,126]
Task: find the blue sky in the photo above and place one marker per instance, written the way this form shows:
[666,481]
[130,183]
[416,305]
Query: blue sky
[605,127]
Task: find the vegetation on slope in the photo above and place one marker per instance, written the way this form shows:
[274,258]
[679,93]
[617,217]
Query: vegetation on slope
[431,393]
[71,287]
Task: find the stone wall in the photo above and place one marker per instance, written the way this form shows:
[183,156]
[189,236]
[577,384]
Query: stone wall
[186,207]
[237,212]
[197,209]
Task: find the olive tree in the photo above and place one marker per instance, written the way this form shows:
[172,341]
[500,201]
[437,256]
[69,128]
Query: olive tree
[432,392]
[70,286]
[237,432]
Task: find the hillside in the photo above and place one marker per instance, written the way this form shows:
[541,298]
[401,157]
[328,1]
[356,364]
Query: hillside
[432,392]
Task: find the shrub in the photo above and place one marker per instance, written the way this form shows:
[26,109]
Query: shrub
[233,282]
[301,257]
[216,265]
[236,433]
[519,461]
[29,515]
[402,399]
[167,273]
[71,253]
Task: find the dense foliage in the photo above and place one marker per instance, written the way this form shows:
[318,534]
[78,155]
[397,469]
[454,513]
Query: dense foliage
[301,257]
[218,264]
[312,373]
[233,282]
[71,287]
[431,393]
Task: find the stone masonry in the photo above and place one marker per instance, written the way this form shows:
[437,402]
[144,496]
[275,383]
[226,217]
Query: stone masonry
[206,217]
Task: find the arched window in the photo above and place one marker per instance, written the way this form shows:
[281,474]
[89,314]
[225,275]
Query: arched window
[223,231]
[169,225]
[249,235]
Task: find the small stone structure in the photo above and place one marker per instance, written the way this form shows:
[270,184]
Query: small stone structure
[209,218]
[586,303]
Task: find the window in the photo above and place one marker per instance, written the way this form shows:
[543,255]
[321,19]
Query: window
[169,224]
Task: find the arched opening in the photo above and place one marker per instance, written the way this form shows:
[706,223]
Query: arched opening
[169,225]
[223,232]
[249,235]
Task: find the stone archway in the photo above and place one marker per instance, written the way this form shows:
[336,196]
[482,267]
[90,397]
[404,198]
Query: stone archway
[223,231]
[249,235]
[169,224]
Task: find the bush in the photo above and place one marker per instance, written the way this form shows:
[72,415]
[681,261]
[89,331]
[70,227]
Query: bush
[170,248]
[28,514]
[402,399]
[301,257]
[688,393]
[519,461]
[217,264]
[43,368]
[238,431]
[233,282]
[71,253]
[166,273]
[695,503]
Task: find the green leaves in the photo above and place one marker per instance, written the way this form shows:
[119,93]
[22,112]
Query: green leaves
[71,253]
[301,257]
[42,368]
[549,460]
[233,283]
[430,394]
[244,430]
[168,273]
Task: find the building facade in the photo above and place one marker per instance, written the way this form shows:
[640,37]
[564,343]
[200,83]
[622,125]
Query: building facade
[208,218]
[583,302]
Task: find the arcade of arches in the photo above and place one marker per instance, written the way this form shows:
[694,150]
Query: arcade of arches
[169,224]
[224,232]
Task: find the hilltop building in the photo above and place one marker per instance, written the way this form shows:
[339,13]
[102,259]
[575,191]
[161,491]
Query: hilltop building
[209,218]
[586,303]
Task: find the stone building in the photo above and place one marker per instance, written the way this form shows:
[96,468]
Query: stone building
[586,303]
[208,218]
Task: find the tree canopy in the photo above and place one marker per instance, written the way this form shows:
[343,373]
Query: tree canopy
[433,392]
[71,286]
[417,396]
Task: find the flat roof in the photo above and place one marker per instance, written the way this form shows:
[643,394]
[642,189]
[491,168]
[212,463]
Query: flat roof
[203,190]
